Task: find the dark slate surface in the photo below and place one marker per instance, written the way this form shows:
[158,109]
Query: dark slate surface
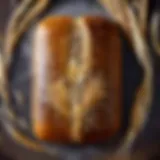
[149,140]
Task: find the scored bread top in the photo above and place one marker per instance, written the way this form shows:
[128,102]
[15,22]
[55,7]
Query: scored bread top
[77,95]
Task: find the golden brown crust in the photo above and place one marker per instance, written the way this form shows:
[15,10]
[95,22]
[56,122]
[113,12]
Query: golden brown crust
[88,108]
[51,43]
[107,60]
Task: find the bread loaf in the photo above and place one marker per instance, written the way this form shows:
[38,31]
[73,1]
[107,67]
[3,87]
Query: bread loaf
[77,80]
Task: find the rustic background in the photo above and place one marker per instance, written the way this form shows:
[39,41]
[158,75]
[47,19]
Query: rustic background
[150,144]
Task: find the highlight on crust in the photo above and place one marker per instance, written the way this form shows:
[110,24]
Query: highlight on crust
[71,76]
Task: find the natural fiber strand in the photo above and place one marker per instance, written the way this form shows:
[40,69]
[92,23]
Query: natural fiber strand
[23,139]
[117,9]
[155,25]
[144,96]
[143,15]
[122,14]
[22,17]
[19,22]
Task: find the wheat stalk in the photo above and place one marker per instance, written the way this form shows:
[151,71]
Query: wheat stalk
[19,22]
[136,24]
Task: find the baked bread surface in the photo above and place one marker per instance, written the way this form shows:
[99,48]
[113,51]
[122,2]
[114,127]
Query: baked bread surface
[77,80]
